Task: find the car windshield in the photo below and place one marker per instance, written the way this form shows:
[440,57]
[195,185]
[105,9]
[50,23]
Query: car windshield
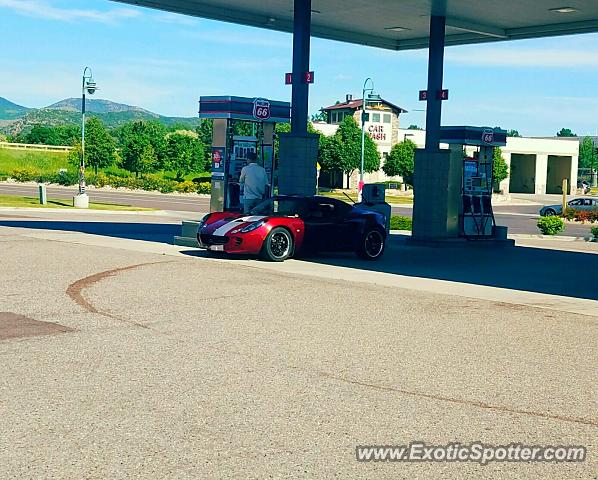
[284,207]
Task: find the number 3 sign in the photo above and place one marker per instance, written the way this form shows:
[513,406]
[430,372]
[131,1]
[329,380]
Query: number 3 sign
[261,109]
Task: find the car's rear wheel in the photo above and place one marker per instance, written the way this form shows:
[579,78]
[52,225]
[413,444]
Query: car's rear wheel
[372,244]
[549,212]
[278,245]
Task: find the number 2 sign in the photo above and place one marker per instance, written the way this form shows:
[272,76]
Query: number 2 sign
[261,109]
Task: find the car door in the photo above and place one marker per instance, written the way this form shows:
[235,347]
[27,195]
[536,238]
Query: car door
[325,226]
[318,227]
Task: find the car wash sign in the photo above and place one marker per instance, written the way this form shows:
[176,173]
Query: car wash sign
[261,109]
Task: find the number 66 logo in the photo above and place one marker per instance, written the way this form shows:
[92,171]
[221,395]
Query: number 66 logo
[261,109]
[488,135]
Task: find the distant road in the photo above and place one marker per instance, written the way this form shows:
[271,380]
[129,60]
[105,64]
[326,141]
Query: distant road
[149,200]
[519,218]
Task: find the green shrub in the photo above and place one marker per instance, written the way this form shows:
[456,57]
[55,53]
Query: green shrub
[186,187]
[66,179]
[99,180]
[204,188]
[551,225]
[398,222]
[24,174]
[595,232]
[569,213]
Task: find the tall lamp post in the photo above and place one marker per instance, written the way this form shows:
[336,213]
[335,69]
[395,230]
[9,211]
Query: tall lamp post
[88,85]
[363,118]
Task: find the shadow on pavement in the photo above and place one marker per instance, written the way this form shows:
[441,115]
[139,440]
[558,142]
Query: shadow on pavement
[150,232]
[556,272]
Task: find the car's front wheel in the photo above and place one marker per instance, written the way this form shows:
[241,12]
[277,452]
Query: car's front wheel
[549,212]
[372,244]
[278,245]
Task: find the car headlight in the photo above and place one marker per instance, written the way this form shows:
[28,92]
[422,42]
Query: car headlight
[249,228]
[202,221]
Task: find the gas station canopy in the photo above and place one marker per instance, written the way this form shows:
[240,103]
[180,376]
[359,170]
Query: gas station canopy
[402,24]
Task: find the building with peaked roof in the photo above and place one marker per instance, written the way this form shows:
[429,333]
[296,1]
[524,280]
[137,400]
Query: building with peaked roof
[382,125]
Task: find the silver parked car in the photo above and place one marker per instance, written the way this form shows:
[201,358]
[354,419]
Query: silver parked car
[585,203]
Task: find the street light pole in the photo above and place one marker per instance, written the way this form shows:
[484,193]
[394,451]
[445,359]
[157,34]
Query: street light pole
[81,200]
[362,166]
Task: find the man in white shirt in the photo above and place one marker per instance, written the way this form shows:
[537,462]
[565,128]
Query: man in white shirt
[254,180]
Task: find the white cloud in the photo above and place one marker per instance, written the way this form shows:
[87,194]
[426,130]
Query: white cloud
[42,9]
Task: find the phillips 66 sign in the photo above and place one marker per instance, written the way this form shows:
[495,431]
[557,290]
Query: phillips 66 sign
[261,109]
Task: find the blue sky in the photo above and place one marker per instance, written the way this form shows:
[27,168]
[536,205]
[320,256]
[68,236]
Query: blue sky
[164,62]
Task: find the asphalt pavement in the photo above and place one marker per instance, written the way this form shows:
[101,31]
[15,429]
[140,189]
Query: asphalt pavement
[520,219]
[137,359]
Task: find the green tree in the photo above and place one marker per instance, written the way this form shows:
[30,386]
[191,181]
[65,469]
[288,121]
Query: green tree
[40,134]
[414,127]
[185,154]
[400,161]
[500,169]
[321,116]
[343,150]
[588,157]
[566,132]
[100,147]
[148,158]
[513,133]
[134,138]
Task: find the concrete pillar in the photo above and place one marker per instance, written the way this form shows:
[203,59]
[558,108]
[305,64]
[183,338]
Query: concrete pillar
[435,74]
[436,188]
[541,174]
[574,174]
[297,172]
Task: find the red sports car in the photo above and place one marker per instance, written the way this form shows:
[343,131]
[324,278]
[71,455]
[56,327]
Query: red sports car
[283,226]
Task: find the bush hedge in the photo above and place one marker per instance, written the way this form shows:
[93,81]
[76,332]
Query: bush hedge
[582,216]
[551,225]
[595,232]
[149,182]
[398,222]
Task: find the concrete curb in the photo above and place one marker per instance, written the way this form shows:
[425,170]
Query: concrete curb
[562,238]
[525,236]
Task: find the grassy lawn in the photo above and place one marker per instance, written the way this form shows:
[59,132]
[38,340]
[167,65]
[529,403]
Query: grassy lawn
[45,162]
[52,162]
[16,201]
[353,195]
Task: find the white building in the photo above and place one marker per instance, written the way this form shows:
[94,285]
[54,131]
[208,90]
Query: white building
[536,165]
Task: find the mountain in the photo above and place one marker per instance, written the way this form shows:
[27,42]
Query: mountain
[10,110]
[68,111]
[96,106]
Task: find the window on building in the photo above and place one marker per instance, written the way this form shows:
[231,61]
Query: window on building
[376,117]
[387,118]
[333,117]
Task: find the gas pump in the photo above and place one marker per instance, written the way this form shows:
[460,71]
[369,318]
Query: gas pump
[476,217]
[230,152]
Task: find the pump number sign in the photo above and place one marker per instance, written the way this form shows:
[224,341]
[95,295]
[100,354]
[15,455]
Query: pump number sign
[261,109]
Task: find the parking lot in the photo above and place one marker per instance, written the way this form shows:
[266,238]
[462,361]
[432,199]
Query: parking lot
[145,360]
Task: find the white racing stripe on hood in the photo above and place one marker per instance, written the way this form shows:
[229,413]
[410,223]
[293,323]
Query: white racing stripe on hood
[227,227]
